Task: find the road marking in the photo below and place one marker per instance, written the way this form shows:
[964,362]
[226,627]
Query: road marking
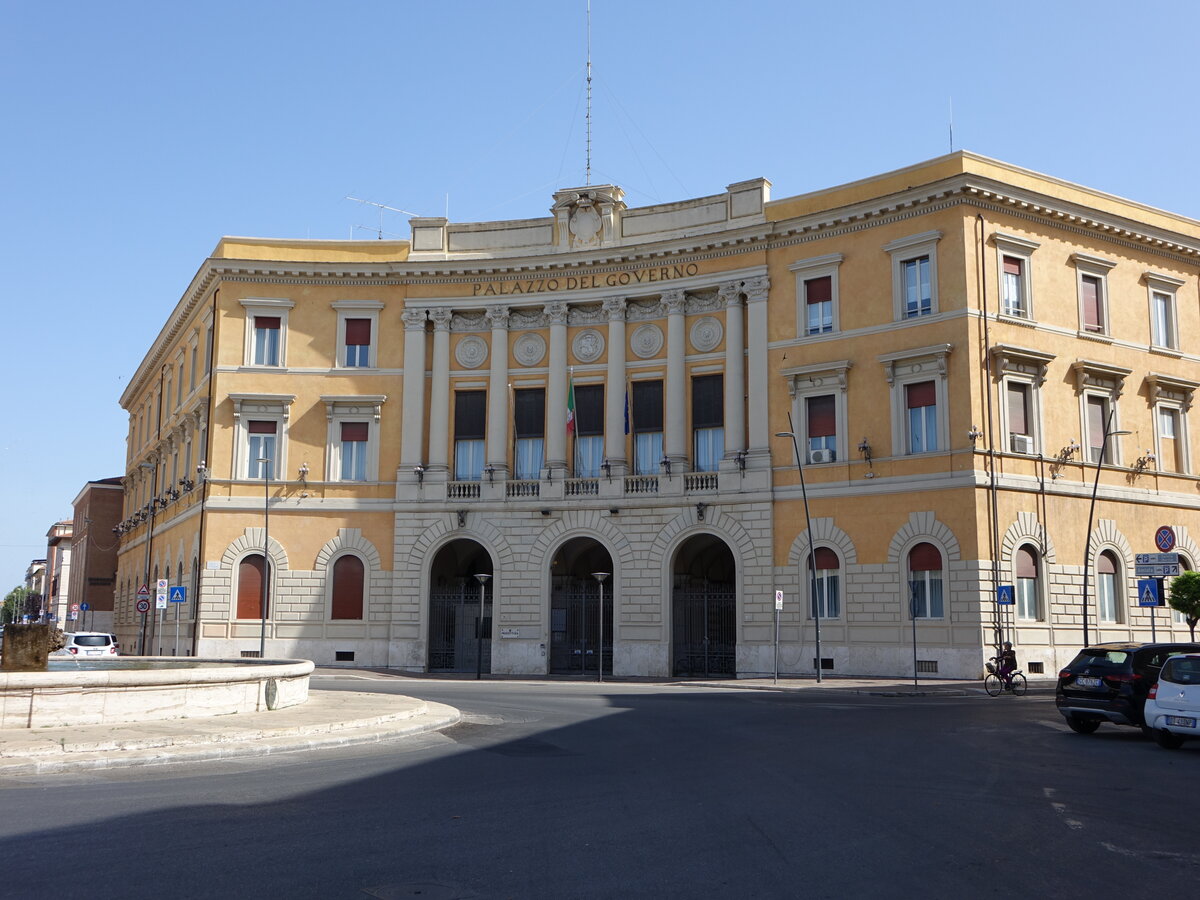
[1061,809]
[1192,858]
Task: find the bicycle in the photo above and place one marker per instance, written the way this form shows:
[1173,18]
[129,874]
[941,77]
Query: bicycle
[996,684]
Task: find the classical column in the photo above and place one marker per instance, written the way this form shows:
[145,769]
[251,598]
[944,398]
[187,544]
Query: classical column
[556,388]
[439,394]
[614,390]
[756,363]
[735,372]
[498,414]
[412,438]
[675,399]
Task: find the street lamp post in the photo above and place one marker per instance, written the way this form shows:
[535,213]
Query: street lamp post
[1087,550]
[812,574]
[265,462]
[600,576]
[152,467]
[482,578]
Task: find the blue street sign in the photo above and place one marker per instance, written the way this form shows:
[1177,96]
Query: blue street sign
[179,595]
[85,606]
[1148,592]
[1004,595]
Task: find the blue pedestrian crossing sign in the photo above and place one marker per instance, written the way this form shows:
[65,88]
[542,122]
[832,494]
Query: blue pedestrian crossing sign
[1148,592]
[1004,595]
[178,594]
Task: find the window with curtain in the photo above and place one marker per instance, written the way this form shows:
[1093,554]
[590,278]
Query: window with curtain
[529,410]
[354,437]
[708,422]
[1097,419]
[1106,586]
[470,418]
[1091,289]
[1028,606]
[818,300]
[358,343]
[918,291]
[920,400]
[347,589]
[925,582]
[261,443]
[266,340]
[825,585]
[1163,305]
[251,572]
[589,430]
[1169,446]
[821,425]
[646,423]
[1013,287]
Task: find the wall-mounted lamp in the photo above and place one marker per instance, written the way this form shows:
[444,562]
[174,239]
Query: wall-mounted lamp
[419,471]
[187,484]
[1068,451]
[545,512]
[491,474]
[303,472]
[665,462]
[864,447]
[462,518]
[174,494]
[974,434]
[607,467]
[614,510]
[700,508]
[201,471]
[740,459]
[1144,462]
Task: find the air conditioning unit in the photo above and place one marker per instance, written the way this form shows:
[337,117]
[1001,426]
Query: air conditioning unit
[1021,443]
[820,456]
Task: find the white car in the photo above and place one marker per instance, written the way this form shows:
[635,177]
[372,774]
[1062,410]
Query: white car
[88,644]
[1173,704]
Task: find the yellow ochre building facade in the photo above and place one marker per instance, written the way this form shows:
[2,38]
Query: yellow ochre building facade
[612,391]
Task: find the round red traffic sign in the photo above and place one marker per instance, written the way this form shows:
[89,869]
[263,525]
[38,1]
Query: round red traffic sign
[143,606]
[1164,539]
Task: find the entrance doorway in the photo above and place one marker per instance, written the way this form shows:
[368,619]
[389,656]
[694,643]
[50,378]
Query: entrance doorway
[704,610]
[460,616]
[576,620]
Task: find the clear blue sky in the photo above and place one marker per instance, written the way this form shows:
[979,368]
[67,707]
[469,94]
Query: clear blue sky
[136,134]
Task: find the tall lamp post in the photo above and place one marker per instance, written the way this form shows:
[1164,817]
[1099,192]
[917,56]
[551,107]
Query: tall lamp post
[600,576]
[482,578]
[266,464]
[152,467]
[1087,550]
[812,574]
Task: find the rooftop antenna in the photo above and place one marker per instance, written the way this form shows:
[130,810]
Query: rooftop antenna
[951,123]
[379,231]
[588,176]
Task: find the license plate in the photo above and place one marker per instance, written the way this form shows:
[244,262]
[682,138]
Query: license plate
[94,652]
[1181,721]
[1086,682]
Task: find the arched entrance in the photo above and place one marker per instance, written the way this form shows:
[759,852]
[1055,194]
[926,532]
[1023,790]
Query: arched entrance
[576,621]
[704,609]
[460,620]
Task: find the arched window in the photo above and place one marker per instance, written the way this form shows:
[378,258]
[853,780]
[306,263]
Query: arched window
[348,579]
[1028,604]
[1106,586]
[825,585]
[250,586]
[925,582]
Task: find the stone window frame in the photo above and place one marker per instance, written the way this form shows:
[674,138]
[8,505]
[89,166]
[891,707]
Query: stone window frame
[265,306]
[1171,392]
[1040,600]
[357,309]
[819,380]
[1022,249]
[355,408]
[1025,366]
[1095,267]
[1168,285]
[905,367]
[260,407]
[808,579]
[1096,379]
[807,270]
[903,250]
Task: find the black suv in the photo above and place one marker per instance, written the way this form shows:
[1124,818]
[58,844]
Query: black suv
[1109,683]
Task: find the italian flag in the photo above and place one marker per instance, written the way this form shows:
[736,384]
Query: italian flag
[571,405]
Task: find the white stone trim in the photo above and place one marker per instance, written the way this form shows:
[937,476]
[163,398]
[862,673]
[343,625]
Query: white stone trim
[806,270]
[265,306]
[909,248]
[357,309]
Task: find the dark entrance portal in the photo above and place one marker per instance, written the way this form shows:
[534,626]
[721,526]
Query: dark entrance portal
[456,624]
[704,610]
[575,645]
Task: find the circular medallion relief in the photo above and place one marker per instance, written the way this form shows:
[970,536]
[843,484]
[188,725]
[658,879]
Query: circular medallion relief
[706,334]
[529,349]
[646,341]
[471,352]
[588,345]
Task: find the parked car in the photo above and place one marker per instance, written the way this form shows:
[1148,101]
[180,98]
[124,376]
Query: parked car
[88,644]
[1109,683]
[1172,710]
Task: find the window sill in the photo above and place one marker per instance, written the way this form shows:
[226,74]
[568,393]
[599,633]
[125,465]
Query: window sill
[1098,336]
[1166,351]
[1010,319]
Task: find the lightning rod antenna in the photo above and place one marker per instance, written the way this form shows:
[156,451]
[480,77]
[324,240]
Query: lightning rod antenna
[588,174]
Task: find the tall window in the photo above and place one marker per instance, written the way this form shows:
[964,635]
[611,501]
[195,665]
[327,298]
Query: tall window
[1097,419]
[1020,436]
[179,386]
[821,424]
[589,430]
[358,343]
[1162,306]
[470,417]
[1169,446]
[347,588]
[354,450]
[1013,287]
[530,413]
[1027,583]
[920,400]
[925,582]
[1091,296]
[917,287]
[646,414]
[708,422]
[262,445]
[266,340]
[1106,586]
[825,585]
[251,578]
[818,299]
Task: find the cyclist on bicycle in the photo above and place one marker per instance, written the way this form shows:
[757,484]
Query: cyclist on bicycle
[1008,663]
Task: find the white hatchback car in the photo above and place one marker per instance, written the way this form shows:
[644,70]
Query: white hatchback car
[1173,704]
[88,644]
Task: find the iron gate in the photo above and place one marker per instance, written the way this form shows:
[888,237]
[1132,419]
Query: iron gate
[453,619]
[575,625]
[704,628]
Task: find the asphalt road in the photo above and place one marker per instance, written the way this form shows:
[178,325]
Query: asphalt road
[564,790]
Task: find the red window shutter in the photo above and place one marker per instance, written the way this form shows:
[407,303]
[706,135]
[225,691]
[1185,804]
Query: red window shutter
[1026,563]
[358,332]
[1106,565]
[347,588]
[354,431]
[819,290]
[825,559]
[1017,420]
[1095,422]
[1012,266]
[821,418]
[262,427]
[1090,288]
[267,322]
[924,558]
[250,587]
[920,394]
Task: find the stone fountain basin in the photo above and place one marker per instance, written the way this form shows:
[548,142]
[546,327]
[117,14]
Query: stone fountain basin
[145,689]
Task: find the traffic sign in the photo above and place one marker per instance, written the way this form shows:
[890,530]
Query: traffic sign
[161,584]
[85,606]
[1152,570]
[72,616]
[74,607]
[179,594]
[1148,592]
[779,599]
[1004,595]
[160,601]
[143,591]
[1156,559]
[143,605]
[1164,538]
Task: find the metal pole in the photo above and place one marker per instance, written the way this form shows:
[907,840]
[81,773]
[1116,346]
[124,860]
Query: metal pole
[600,576]
[482,578]
[812,571]
[912,614]
[149,550]
[776,645]
[266,591]
[1087,549]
